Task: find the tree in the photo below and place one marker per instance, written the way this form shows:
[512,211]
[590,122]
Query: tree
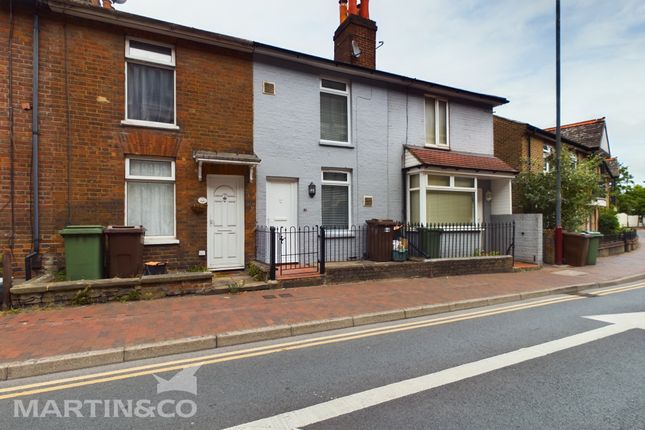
[632,201]
[581,185]
[623,183]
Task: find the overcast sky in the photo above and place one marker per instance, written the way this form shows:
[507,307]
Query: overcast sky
[500,47]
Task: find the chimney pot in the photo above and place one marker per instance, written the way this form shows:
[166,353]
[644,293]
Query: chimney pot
[365,9]
[107,4]
[353,7]
[343,10]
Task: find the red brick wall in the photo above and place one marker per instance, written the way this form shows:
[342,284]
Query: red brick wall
[361,30]
[214,113]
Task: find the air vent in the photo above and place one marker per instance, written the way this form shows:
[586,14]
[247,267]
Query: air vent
[368,201]
[268,88]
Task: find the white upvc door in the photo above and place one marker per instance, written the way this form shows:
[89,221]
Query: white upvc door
[225,222]
[282,213]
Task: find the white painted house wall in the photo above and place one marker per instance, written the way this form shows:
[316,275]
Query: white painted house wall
[383,119]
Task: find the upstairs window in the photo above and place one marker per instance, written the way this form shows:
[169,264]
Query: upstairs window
[334,112]
[437,122]
[546,156]
[150,88]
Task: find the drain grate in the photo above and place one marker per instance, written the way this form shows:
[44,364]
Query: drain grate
[285,295]
[269,297]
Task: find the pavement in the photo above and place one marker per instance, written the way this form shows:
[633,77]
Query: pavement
[38,342]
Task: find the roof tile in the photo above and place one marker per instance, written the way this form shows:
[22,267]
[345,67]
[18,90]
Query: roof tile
[459,160]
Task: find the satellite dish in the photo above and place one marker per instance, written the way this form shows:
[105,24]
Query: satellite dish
[119,1]
[356,51]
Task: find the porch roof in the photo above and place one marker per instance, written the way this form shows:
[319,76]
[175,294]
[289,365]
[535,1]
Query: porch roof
[458,160]
[214,157]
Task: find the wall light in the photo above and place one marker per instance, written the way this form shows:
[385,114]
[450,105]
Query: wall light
[312,190]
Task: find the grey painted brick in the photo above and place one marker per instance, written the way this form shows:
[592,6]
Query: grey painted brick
[287,135]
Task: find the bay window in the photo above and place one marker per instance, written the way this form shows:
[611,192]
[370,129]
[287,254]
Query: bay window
[436,198]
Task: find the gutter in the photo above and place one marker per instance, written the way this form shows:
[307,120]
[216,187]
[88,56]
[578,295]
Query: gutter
[137,22]
[31,260]
[391,78]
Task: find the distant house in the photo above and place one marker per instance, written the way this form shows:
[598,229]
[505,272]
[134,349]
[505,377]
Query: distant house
[593,135]
[527,148]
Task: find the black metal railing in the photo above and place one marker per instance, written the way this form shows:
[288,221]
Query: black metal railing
[623,236]
[288,249]
[296,248]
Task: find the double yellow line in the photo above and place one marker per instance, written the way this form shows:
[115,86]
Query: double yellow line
[133,372]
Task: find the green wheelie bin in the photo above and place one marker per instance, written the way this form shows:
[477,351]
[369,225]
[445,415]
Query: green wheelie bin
[430,241]
[594,244]
[83,251]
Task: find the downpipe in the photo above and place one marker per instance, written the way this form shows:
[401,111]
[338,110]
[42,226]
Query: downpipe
[32,260]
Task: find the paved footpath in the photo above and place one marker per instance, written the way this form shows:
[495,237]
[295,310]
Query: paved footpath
[44,333]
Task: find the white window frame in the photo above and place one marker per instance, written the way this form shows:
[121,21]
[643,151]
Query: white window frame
[437,100]
[348,184]
[347,93]
[424,187]
[547,151]
[153,240]
[169,65]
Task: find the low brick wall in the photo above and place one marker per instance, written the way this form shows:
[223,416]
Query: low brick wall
[618,247]
[107,290]
[471,266]
[611,248]
[366,271]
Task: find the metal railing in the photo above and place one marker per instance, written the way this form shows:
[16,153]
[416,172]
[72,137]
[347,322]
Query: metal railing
[288,249]
[293,249]
[624,236]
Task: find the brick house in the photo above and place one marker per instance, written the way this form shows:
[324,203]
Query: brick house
[342,142]
[526,148]
[134,121]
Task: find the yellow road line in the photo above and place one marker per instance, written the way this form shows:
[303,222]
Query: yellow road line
[188,361]
[620,289]
[80,381]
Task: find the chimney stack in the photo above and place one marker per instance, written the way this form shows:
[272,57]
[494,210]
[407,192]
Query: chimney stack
[355,38]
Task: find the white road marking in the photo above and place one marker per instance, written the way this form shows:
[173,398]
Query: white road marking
[619,323]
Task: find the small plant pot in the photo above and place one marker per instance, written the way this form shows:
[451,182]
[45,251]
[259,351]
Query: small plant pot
[154,269]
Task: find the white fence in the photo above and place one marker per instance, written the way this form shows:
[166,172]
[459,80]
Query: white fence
[628,220]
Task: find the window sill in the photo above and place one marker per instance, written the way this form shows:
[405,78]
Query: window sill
[444,147]
[336,144]
[152,241]
[147,124]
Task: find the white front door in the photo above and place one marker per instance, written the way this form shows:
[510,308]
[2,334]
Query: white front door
[282,213]
[225,222]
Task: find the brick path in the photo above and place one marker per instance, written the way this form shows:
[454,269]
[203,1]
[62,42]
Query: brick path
[36,334]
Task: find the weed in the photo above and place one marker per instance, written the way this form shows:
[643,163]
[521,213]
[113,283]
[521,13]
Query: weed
[235,286]
[255,272]
[132,296]
[82,297]
[196,269]
[60,276]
